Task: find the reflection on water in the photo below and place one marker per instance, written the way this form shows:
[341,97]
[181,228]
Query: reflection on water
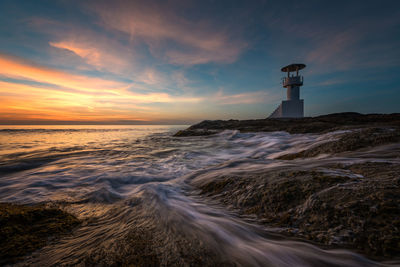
[124,178]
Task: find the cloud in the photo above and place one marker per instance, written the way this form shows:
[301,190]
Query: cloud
[169,36]
[334,39]
[19,69]
[335,50]
[90,54]
[335,81]
[98,51]
[194,57]
[109,56]
[60,95]
[150,76]
[244,98]
[350,50]
[83,47]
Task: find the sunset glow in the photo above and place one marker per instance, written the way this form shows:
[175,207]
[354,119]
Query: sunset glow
[157,63]
[199,133]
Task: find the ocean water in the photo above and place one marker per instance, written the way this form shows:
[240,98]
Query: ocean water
[122,178]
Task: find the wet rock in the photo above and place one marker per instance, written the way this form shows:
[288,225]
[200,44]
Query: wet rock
[149,243]
[361,214]
[350,142]
[24,229]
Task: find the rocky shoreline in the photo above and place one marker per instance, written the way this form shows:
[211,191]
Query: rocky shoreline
[320,124]
[343,192]
[354,205]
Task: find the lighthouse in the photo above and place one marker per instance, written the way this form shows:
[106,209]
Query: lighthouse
[293,107]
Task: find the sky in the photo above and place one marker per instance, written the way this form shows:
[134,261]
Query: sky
[180,62]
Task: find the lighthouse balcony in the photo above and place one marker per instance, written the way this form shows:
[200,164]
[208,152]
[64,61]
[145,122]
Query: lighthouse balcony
[295,80]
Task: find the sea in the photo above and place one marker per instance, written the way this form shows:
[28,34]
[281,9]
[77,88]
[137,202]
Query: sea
[121,177]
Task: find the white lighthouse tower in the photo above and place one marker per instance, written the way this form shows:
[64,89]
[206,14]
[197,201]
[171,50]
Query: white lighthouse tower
[293,107]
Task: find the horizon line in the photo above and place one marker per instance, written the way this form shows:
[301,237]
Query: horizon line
[74,124]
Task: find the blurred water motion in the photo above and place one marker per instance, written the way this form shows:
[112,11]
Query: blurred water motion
[122,180]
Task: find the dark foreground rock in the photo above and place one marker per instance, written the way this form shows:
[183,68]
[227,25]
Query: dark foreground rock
[149,245]
[24,229]
[325,123]
[354,206]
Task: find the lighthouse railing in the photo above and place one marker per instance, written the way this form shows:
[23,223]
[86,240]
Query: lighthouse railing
[294,80]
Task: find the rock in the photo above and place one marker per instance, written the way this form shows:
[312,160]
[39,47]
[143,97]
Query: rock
[321,210]
[24,229]
[320,124]
[352,141]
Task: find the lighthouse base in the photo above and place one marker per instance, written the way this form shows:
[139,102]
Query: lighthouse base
[289,109]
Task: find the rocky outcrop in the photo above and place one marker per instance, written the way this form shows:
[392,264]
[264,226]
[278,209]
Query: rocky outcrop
[320,124]
[357,208]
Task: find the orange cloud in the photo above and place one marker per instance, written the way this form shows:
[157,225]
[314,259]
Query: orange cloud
[96,50]
[91,55]
[19,69]
[99,53]
[66,96]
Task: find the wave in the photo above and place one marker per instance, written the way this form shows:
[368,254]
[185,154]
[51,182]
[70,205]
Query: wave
[125,182]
